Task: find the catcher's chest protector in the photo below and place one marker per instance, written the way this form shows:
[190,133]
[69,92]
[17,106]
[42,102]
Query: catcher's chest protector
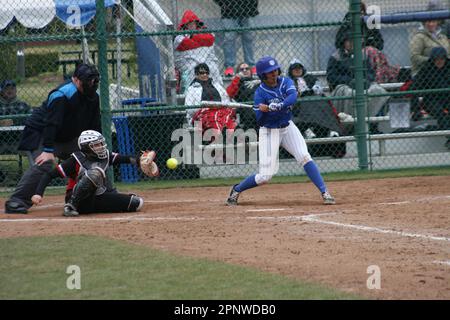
[87,164]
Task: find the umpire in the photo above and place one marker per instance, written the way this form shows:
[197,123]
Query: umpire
[53,129]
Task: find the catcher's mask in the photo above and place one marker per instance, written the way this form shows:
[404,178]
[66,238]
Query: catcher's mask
[93,144]
[89,77]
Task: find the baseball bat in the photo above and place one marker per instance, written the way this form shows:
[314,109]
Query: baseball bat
[213,104]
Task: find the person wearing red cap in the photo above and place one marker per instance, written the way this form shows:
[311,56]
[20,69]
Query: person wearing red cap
[192,49]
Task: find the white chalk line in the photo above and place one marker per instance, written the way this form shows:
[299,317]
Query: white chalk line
[182,201]
[265,210]
[105,219]
[46,206]
[425,199]
[313,218]
[442,262]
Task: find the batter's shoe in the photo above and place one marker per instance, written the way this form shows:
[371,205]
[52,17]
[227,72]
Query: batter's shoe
[327,198]
[70,211]
[233,197]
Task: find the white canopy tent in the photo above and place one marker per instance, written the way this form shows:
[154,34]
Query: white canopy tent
[37,14]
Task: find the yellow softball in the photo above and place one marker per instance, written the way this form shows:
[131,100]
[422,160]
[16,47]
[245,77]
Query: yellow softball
[172,163]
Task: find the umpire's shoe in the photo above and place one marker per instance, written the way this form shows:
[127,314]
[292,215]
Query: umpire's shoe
[12,207]
[233,197]
[70,210]
[328,198]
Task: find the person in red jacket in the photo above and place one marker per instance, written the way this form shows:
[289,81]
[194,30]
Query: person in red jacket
[242,89]
[192,49]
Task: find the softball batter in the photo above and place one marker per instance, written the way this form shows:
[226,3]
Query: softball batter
[273,103]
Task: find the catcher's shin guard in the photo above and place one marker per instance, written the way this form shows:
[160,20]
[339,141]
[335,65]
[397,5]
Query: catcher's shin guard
[84,189]
[136,203]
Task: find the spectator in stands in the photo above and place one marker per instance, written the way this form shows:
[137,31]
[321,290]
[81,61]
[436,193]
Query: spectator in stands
[371,37]
[243,86]
[192,49]
[10,104]
[436,5]
[307,84]
[428,36]
[242,89]
[373,45]
[316,119]
[384,71]
[341,79]
[435,74]
[238,14]
[203,88]
[216,119]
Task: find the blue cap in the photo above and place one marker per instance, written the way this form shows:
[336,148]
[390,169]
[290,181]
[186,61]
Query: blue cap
[438,52]
[7,83]
[266,65]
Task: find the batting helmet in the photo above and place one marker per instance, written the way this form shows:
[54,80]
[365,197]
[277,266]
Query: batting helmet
[266,65]
[93,144]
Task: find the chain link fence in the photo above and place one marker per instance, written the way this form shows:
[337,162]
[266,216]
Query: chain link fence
[151,94]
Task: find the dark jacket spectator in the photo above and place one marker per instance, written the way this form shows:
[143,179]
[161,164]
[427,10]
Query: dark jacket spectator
[371,37]
[10,104]
[341,79]
[307,84]
[340,69]
[435,74]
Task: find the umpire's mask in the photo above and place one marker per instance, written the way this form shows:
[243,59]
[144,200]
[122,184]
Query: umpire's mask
[89,77]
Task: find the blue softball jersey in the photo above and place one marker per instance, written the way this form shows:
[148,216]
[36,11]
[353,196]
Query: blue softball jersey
[285,93]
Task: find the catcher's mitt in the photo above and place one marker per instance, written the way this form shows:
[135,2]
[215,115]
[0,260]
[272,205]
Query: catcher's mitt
[147,165]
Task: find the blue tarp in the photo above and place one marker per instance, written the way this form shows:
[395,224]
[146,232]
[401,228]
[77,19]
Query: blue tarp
[76,13]
[36,14]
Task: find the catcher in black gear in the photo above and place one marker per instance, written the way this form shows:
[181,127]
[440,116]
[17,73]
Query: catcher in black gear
[89,193]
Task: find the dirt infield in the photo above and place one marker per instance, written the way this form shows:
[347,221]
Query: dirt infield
[401,225]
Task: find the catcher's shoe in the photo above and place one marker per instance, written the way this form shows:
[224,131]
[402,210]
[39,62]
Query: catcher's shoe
[70,210]
[233,197]
[328,198]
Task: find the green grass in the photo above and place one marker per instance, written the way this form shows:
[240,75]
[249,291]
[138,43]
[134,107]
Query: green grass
[35,268]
